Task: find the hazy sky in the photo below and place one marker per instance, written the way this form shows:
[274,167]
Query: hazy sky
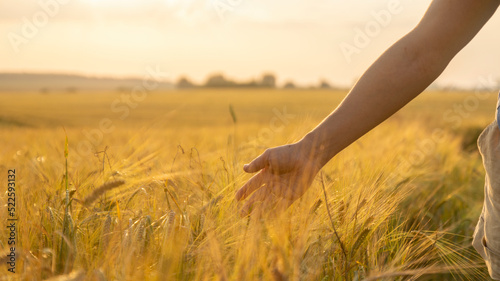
[299,40]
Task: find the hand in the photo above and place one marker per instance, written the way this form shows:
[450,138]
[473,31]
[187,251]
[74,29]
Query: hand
[286,172]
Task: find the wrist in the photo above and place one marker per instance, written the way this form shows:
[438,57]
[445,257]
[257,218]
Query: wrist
[315,149]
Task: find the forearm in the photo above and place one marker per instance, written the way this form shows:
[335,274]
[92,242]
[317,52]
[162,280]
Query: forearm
[400,74]
[397,77]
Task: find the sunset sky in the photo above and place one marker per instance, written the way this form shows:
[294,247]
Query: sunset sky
[299,40]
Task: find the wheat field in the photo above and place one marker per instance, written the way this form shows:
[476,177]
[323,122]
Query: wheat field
[112,187]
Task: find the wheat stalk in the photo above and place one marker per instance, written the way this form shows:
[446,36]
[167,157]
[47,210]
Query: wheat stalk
[202,222]
[106,230]
[344,252]
[148,225]
[126,236]
[168,226]
[67,250]
[140,234]
[101,190]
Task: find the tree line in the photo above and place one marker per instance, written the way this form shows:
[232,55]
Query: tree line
[267,80]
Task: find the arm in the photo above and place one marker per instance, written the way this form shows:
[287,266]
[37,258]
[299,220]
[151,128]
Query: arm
[401,73]
[398,76]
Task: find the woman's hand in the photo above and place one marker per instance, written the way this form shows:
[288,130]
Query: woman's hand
[285,173]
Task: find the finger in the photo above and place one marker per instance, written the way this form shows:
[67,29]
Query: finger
[254,202]
[277,208]
[258,163]
[250,186]
[265,203]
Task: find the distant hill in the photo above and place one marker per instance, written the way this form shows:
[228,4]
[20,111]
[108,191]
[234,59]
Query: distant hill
[48,83]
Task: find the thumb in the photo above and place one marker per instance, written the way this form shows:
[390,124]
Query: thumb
[257,164]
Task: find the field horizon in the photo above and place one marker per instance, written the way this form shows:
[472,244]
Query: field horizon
[140,186]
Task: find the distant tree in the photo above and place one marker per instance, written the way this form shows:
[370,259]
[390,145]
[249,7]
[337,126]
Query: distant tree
[185,83]
[251,84]
[268,81]
[123,89]
[324,85]
[289,85]
[218,81]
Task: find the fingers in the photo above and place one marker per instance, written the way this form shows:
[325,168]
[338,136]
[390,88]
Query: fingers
[258,163]
[254,201]
[281,206]
[250,186]
[264,202]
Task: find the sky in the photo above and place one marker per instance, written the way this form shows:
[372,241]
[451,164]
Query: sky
[303,41]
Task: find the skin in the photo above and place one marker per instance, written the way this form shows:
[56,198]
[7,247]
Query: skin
[399,75]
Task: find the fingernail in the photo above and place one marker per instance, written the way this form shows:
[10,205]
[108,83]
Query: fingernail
[245,167]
